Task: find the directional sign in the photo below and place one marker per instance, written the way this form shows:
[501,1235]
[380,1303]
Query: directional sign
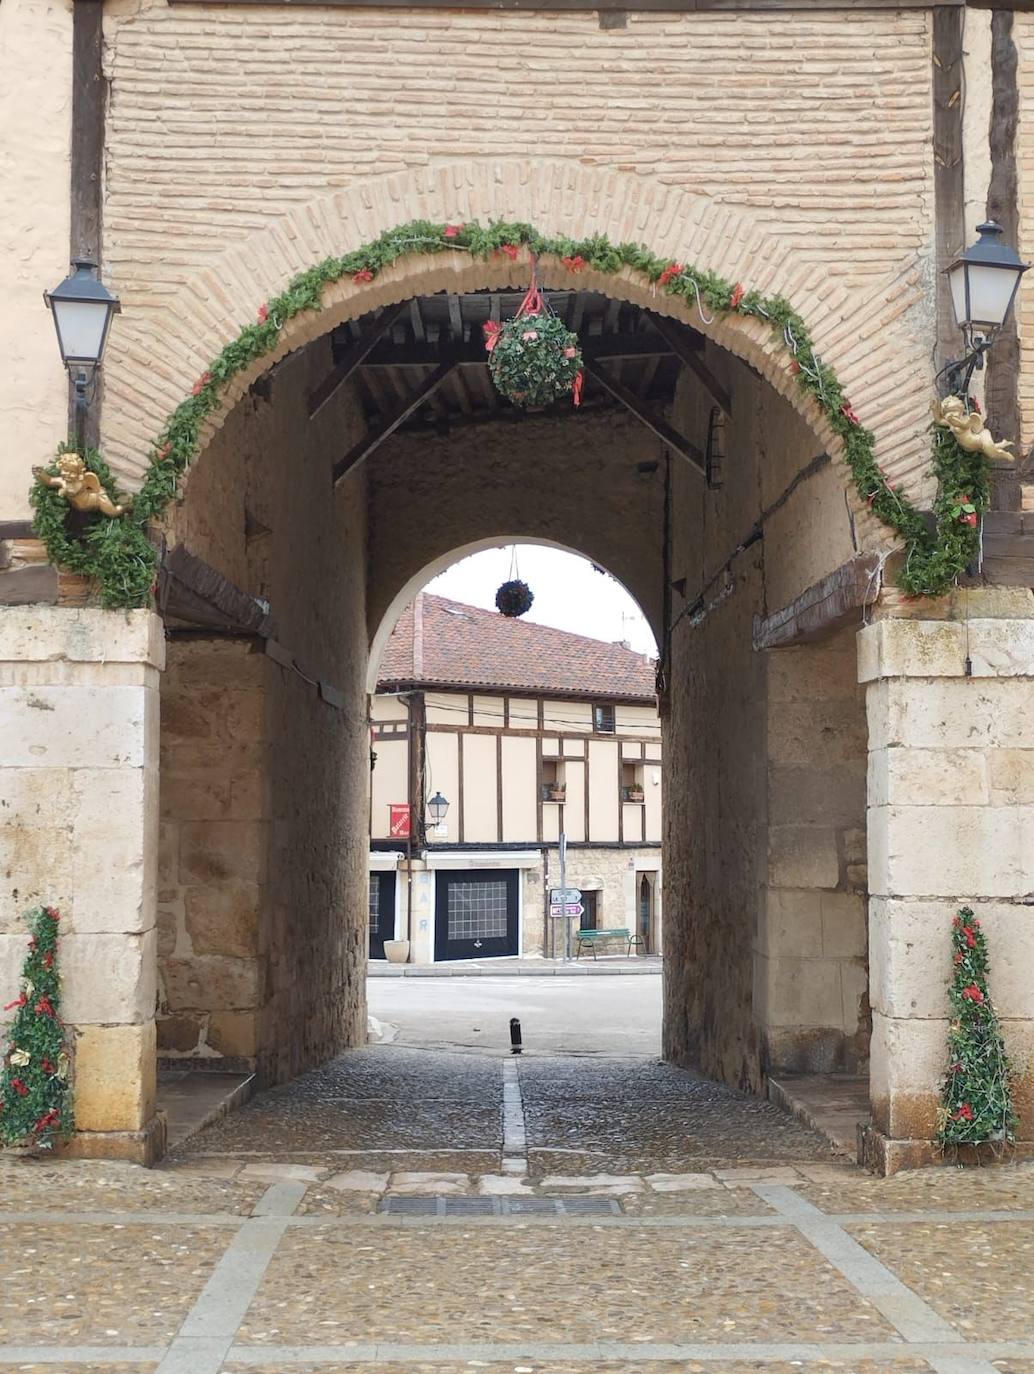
[564,894]
[561,909]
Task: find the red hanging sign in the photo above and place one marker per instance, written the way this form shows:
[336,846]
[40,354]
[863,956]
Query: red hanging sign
[399,820]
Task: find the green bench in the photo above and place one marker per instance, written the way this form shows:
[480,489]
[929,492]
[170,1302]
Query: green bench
[592,938]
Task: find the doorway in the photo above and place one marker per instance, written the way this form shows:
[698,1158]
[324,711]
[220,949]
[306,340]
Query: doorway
[476,914]
[382,912]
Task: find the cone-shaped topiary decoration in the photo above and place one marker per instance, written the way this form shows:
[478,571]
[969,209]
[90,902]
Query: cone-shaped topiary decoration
[35,1100]
[976,1099]
[514,598]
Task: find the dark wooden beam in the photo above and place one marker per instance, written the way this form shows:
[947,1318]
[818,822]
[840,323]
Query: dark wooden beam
[948,167]
[192,591]
[1001,398]
[823,608]
[362,450]
[675,334]
[1008,538]
[668,436]
[677,6]
[368,339]
[87,158]
[601,346]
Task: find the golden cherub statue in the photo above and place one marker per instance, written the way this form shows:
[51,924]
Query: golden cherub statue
[81,488]
[969,429]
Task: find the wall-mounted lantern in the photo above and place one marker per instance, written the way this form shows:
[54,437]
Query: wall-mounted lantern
[83,309]
[984,281]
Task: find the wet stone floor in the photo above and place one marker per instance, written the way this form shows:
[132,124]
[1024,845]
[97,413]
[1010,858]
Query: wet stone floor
[404,1211]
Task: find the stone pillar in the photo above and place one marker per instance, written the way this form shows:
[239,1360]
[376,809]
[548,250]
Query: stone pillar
[951,823]
[211,870]
[810,979]
[78,831]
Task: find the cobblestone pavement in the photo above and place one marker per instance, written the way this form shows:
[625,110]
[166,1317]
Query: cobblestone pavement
[407,1212]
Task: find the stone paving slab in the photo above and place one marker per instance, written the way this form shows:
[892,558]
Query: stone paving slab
[978,1276]
[1000,1188]
[533,1366]
[503,1285]
[112,1186]
[101,1285]
[21,1368]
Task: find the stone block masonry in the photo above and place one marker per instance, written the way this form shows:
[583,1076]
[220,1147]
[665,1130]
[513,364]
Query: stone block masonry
[212,867]
[951,739]
[79,831]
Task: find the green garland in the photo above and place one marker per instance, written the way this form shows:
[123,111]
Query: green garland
[35,1099]
[119,555]
[976,1100]
[115,551]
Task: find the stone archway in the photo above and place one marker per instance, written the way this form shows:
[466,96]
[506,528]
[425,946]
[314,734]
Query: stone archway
[601,484]
[383,620]
[862,328]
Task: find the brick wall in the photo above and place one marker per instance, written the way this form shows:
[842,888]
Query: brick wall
[243,146]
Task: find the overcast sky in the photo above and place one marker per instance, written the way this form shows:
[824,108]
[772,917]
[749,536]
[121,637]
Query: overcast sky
[569,595]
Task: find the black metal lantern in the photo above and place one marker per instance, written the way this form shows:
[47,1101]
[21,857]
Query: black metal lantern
[983,282]
[82,307]
[437,808]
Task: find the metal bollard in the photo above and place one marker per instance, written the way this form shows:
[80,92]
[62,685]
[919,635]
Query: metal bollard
[515,1035]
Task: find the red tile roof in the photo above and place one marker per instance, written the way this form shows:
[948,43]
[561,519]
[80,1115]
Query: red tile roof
[463,646]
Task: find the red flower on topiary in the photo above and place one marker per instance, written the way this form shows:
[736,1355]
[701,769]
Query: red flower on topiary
[263,313]
[669,274]
[964,1113]
[737,295]
[452,231]
[19,1087]
[973,994]
[847,411]
[201,383]
[44,1007]
[363,275]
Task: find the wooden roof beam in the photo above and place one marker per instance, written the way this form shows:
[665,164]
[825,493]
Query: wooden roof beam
[369,337]
[668,436]
[362,450]
[672,333]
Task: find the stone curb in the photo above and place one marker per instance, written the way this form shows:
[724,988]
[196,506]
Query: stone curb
[633,969]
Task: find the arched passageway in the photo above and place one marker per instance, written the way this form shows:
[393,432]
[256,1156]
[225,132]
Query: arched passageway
[689,477]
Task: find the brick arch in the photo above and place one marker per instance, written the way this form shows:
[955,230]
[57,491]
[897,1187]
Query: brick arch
[385,620]
[863,329]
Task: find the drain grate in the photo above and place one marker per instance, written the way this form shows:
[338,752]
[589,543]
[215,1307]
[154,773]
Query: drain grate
[499,1206]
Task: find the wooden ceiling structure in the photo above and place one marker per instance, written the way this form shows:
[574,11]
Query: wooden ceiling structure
[422,365]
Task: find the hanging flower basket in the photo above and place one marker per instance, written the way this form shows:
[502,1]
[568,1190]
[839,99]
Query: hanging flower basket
[514,598]
[534,359]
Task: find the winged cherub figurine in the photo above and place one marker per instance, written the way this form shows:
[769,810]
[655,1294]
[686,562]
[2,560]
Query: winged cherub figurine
[969,429]
[81,488]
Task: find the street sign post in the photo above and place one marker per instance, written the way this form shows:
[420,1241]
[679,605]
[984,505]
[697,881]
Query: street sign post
[561,909]
[565,894]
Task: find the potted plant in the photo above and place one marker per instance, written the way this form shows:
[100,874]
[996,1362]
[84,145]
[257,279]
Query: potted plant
[396,951]
[554,791]
[633,793]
